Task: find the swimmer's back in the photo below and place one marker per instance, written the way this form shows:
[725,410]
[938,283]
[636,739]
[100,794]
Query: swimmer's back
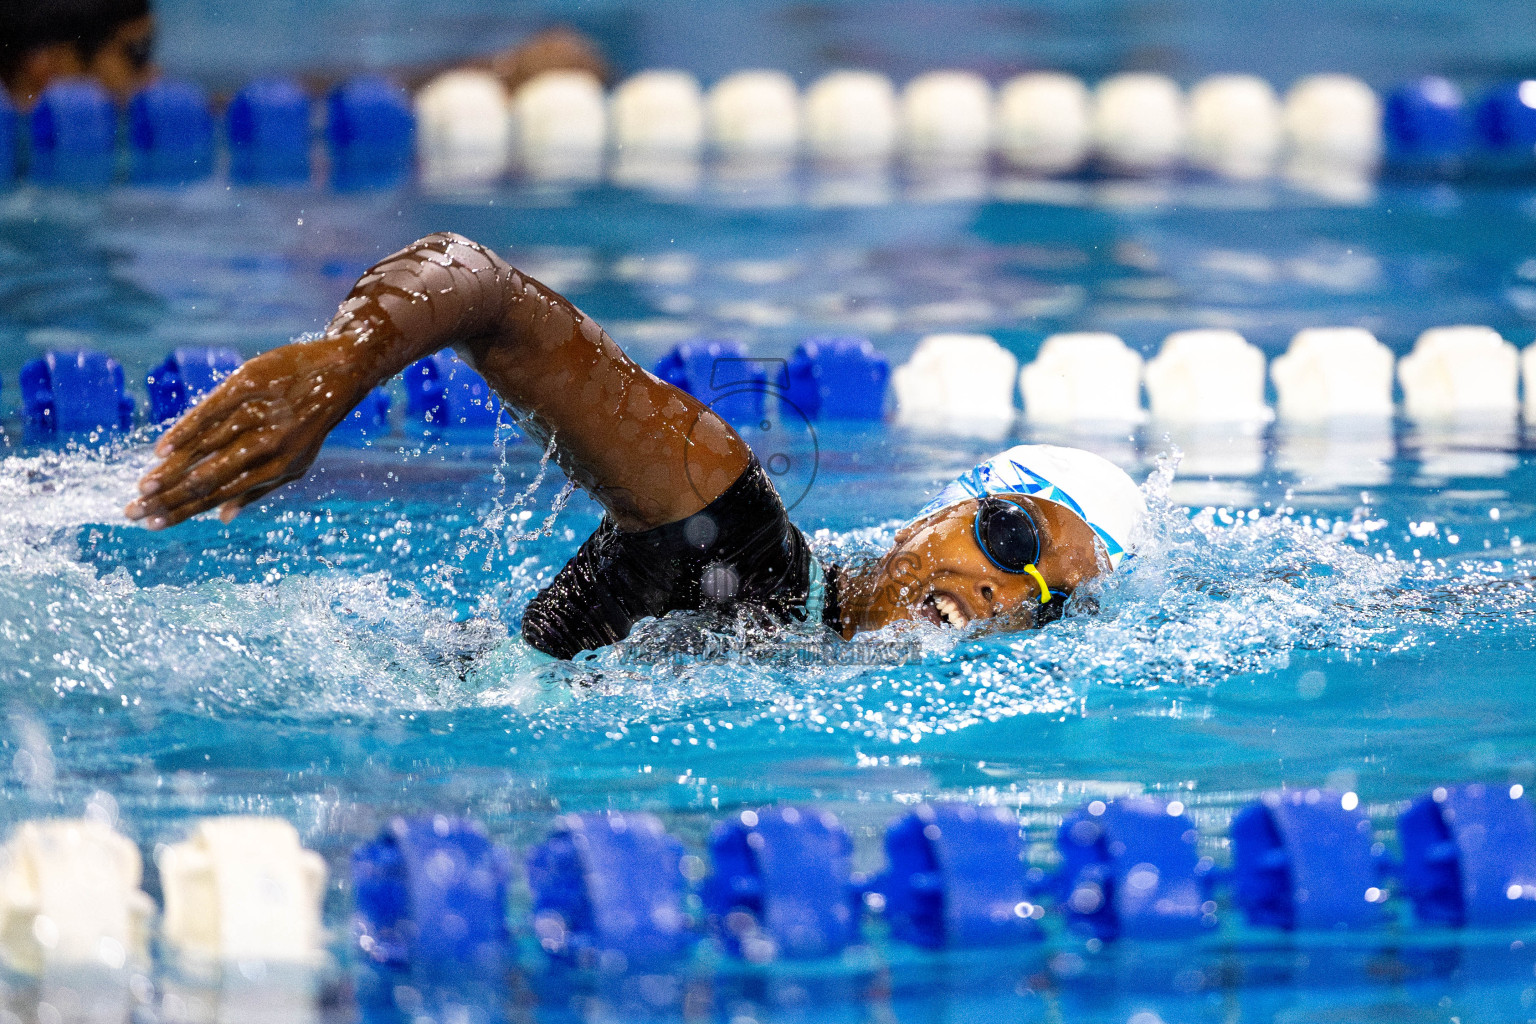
[740,552]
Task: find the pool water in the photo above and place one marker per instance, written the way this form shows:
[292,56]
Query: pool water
[1350,608]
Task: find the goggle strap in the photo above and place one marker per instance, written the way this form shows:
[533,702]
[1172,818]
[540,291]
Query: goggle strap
[1045,591]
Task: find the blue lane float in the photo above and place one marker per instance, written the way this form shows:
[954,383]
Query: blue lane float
[1469,856]
[267,126]
[782,885]
[955,878]
[1304,859]
[718,373]
[608,891]
[170,134]
[8,127]
[370,418]
[1506,118]
[1131,869]
[1425,120]
[73,132]
[836,378]
[371,133]
[430,891]
[185,376]
[443,391]
[612,890]
[74,392]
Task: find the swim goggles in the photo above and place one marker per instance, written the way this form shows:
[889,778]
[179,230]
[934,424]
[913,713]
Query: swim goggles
[1008,536]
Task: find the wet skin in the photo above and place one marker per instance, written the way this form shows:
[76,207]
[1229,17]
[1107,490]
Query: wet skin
[936,571]
[647,452]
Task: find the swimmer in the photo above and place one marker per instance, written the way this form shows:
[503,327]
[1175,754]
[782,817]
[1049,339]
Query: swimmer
[692,520]
[42,41]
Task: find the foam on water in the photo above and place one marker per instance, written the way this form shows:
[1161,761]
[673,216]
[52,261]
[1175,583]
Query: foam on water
[313,612]
[313,641]
[1210,595]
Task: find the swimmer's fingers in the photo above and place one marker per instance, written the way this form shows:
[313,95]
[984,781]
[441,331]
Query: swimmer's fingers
[244,420]
[261,427]
[240,389]
[206,477]
[294,376]
[242,490]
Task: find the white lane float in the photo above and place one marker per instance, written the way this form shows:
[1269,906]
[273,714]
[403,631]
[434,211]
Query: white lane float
[1207,376]
[947,116]
[1460,372]
[1089,377]
[1332,126]
[463,129]
[70,897]
[754,113]
[1139,122]
[658,111]
[956,380]
[242,889]
[1333,373]
[1045,123]
[1528,365]
[850,117]
[1234,126]
[561,125]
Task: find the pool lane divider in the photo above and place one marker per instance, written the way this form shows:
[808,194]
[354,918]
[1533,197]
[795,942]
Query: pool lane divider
[782,885]
[170,134]
[242,888]
[612,892]
[430,891]
[8,128]
[73,392]
[266,127]
[444,391]
[611,889]
[615,892]
[1131,869]
[951,381]
[464,129]
[957,876]
[370,131]
[72,132]
[186,375]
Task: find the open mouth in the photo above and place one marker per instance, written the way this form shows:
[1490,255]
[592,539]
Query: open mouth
[943,609]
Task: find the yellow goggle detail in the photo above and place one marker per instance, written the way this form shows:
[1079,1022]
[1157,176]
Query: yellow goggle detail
[1045,591]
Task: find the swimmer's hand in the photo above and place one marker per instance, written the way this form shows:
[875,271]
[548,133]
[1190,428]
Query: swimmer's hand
[259,429]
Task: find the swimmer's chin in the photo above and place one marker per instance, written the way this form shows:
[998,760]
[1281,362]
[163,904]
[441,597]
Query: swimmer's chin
[928,617]
[938,609]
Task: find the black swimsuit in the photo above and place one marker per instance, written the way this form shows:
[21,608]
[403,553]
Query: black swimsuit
[740,552]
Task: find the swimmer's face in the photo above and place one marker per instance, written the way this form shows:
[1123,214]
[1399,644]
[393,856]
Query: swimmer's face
[938,574]
[123,64]
[126,63]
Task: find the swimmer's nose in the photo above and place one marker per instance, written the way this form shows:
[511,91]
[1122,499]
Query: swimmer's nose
[985,593]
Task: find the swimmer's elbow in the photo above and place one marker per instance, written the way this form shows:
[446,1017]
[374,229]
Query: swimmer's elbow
[448,240]
[465,253]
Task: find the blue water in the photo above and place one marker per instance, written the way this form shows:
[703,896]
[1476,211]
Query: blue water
[1351,609]
[1385,42]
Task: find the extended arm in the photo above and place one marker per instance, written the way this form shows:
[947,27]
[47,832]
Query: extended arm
[647,452]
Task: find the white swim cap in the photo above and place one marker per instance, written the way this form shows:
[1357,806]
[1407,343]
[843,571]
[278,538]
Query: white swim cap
[1097,490]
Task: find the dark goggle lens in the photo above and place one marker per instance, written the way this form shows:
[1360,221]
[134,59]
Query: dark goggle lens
[1007,535]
